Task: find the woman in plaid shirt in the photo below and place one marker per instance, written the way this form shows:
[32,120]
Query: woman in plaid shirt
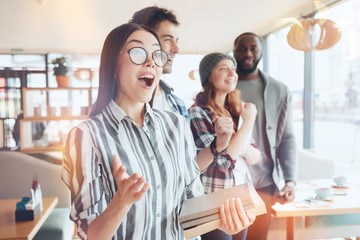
[224,152]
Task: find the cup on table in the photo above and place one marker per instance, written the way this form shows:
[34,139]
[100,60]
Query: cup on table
[324,192]
[340,181]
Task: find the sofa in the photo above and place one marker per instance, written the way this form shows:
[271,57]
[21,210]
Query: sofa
[16,174]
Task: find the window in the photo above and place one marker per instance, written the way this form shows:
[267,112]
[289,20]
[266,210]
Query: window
[184,87]
[336,82]
[337,87]
[287,65]
[30,70]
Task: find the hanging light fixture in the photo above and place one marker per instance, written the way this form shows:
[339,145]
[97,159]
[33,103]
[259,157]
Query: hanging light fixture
[301,34]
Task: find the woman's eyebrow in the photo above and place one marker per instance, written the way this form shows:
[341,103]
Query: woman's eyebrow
[141,42]
[135,41]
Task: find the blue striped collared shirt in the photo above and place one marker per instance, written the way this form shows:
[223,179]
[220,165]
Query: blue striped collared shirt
[177,105]
[162,151]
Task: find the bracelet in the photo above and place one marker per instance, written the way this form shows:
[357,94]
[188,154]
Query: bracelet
[213,149]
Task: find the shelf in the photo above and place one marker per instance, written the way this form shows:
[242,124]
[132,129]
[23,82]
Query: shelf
[57,88]
[49,114]
[55,118]
[2,134]
[46,103]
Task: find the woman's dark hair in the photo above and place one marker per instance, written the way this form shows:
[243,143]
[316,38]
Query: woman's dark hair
[114,42]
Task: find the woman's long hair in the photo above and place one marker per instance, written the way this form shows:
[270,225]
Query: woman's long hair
[108,84]
[231,108]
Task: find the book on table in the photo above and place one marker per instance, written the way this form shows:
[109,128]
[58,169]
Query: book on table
[202,214]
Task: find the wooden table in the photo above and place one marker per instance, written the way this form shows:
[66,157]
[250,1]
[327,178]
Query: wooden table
[9,229]
[339,204]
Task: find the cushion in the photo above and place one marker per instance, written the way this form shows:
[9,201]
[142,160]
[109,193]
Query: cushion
[55,227]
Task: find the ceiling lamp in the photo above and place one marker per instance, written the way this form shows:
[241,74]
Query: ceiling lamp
[193,74]
[301,34]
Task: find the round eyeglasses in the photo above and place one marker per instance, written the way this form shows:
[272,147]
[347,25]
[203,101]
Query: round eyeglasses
[138,55]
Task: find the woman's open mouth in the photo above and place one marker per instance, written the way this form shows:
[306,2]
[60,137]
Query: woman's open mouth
[146,80]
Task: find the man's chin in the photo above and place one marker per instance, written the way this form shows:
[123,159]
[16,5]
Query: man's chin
[246,70]
[167,70]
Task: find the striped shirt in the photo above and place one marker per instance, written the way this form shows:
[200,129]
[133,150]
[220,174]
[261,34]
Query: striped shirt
[223,172]
[163,151]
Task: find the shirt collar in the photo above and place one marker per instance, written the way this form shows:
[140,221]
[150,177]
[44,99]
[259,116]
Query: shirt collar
[166,87]
[115,114]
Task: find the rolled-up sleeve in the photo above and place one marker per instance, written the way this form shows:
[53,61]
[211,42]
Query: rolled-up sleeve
[204,133]
[82,174]
[194,187]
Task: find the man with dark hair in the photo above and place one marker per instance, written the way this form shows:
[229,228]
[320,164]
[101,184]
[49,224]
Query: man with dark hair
[273,130]
[164,23]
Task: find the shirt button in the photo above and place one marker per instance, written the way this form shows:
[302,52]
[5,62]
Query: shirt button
[152,158]
[269,127]
[158,215]
[158,187]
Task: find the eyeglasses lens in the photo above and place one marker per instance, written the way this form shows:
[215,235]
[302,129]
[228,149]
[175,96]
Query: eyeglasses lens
[160,58]
[139,56]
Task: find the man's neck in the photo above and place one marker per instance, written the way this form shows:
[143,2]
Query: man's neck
[250,76]
[158,90]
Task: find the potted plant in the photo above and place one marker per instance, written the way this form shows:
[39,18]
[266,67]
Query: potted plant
[60,70]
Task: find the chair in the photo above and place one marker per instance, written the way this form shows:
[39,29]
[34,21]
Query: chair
[312,166]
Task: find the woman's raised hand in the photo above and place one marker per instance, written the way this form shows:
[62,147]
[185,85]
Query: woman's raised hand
[130,189]
[248,112]
[233,216]
[224,129]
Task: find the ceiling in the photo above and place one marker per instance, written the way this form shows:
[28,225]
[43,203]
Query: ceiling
[80,26]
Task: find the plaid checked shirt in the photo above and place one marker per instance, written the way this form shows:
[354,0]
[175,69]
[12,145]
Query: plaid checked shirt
[223,172]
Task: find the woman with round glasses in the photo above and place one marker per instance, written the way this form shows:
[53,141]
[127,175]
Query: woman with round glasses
[129,167]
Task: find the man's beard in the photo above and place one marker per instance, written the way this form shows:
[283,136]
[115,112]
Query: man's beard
[167,69]
[246,71]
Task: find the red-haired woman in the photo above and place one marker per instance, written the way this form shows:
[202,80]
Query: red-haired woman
[224,152]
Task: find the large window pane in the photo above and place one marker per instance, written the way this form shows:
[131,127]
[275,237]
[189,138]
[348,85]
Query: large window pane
[287,66]
[337,87]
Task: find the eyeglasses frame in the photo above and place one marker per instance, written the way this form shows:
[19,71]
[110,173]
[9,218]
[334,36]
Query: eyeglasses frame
[147,55]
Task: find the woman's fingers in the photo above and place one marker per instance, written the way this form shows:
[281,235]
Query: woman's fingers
[130,184]
[233,216]
[251,217]
[118,169]
[142,191]
[224,223]
[241,215]
[224,125]
[120,175]
[116,164]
